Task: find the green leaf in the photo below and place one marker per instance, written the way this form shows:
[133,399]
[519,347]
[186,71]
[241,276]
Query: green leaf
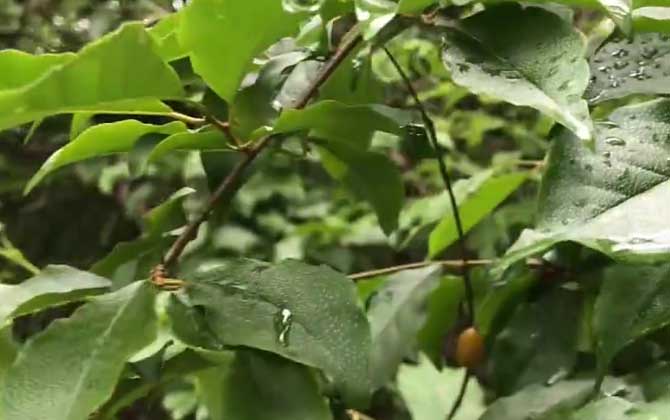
[442,312]
[620,12]
[429,393]
[374,15]
[607,199]
[108,75]
[75,363]
[652,19]
[8,350]
[540,401]
[396,313]
[350,124]
[528,57]
[201,140]
[101,140]
[538,344]
[370,176]
[165,35]
[633,301]
[55,285]
[623,67]
[305,313]
[478,203]
[259,104]
[251,383]
[20,68]
[157,223]
[223,37]
[414,6]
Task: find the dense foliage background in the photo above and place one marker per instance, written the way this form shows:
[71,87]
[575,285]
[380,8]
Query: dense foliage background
[334,283]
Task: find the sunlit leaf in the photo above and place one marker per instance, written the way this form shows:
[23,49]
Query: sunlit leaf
[108,75]
[223,37]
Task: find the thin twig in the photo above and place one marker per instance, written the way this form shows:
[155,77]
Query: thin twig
[187,118]
[445,263]
[432,136]
[461,394]
[223,195]
[456,264]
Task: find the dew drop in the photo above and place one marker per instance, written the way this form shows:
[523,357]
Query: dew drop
[604,69]
[297,6]
[283,326]
[620,65]
[463,67]
[649,52]
[615,141]
[620,53]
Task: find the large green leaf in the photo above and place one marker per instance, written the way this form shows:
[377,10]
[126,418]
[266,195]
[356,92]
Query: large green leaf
[110,74]
[541,402]
[223,37]
[101,140]
[473,207]
[332,120]
[257,385]
[609,198]
[622,67]
[8,351]
[526,56]
[429,393]
[633,301]
[369,175]
[67,371]
[308,314]
[165,35]
[652,19]
[55,285]
[539,342]
[20,68]
[201,140]
[396,313]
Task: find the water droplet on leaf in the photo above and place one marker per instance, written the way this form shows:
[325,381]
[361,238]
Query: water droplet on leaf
[283,325]
[615,141]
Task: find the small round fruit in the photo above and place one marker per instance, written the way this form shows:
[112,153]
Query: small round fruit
[470,348]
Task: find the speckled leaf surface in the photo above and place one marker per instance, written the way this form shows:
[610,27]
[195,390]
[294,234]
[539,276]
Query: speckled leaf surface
[528,57]
[309,314]
[67,371]
[614,198]
[625,67]
[633,301]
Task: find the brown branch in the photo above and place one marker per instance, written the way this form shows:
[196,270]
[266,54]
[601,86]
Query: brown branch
[224,194]
[455,264]
[459,264]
